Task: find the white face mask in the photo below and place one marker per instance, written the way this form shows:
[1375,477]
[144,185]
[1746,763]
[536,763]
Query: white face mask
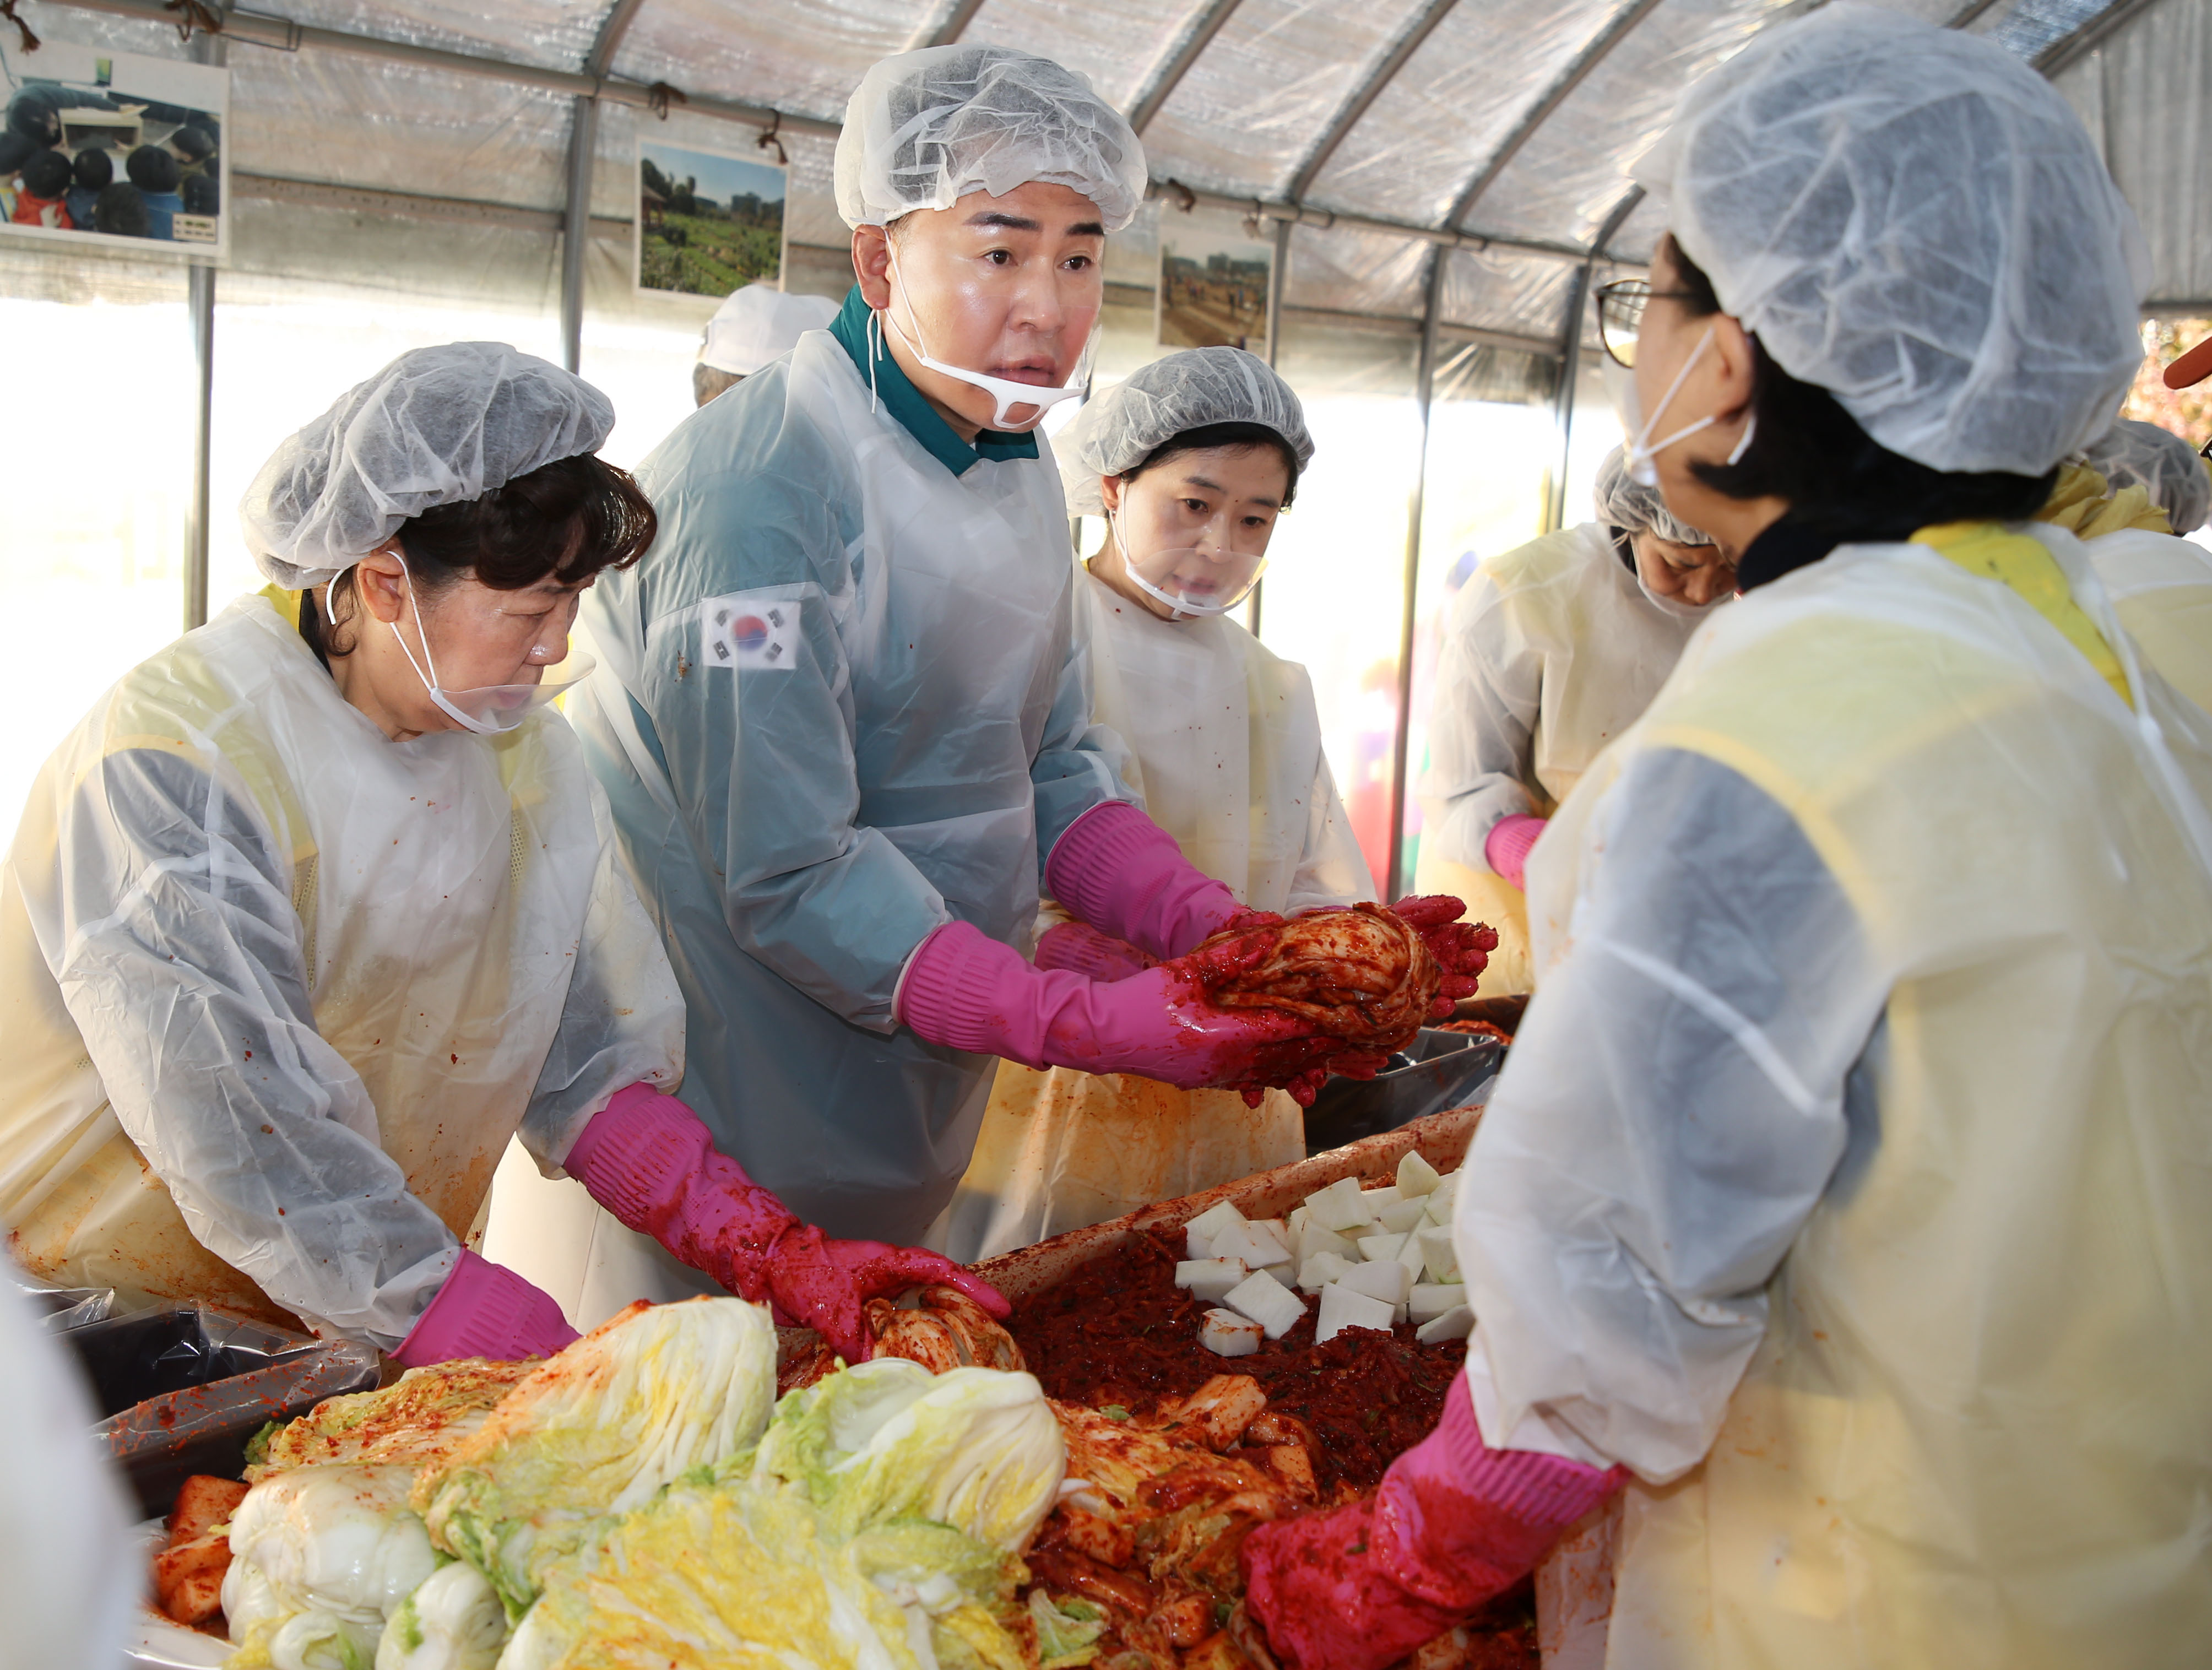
[1007,393]
[1189,581]
[1642,450]
[495,708]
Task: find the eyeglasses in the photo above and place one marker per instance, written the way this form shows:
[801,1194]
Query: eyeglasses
[1620,314]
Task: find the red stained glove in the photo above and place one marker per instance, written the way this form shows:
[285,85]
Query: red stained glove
[966,991]
[1077,948]
[1462,949]
[485,1309]
[649,1160]
[1454,1525]
[1120,872]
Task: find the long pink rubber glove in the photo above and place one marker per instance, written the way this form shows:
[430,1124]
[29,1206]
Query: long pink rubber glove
[1505,849]
[649,1162]
[966,990]
[1079,949]
[485,1309]
[1120,872]
[1454,1524]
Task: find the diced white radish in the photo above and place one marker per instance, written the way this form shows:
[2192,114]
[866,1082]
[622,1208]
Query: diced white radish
[1437,1254]
[1444,1193]
[1386,1194]
[1415,1258]
[1322,1268]
[1242,1241]
[1375,1248]
[1296,1221]
[1455,1324]
[1215,1218]
[1402,1217]
[1276,1231]
[1415,1175]
[1387,1281]
[1439,1208]
[1313,1239]
[1287,1274]
[1341,1308]
[1226,1333]
[1196,1247]
[1430,1300]
[1210,1280]
[1274,1306]
[1339,1206]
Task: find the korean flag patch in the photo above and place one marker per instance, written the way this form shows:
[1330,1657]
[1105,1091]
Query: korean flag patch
[750,634]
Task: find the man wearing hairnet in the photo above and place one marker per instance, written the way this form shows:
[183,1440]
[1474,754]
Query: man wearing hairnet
[844,723]
[755,323]
[318,907]
[1548,656]
[1844,1210]
[1189,460]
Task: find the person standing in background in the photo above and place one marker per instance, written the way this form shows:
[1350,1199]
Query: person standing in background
[756,324]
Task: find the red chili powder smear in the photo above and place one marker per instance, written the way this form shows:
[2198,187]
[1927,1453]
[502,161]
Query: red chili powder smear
[1120,1331]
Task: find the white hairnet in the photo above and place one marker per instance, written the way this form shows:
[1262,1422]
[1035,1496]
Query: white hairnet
[1911,219]
[2158,461]
[437,426]
[924,128]
[759,322]
[1624,502]
[1118,429]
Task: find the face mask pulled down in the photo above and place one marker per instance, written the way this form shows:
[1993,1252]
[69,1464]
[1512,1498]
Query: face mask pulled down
[1008,393]
[492,708]
[1642,452]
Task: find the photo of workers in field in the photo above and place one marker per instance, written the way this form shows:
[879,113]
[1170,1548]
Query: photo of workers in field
[1214,291]
[706,224]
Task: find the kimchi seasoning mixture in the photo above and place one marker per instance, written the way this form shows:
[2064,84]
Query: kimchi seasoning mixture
[1120,1334]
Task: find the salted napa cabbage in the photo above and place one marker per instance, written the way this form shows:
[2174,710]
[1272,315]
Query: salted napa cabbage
[974,1448]
[1067,1630]
[421,1418]
[658,1391]
[329,1551]
[454,1621]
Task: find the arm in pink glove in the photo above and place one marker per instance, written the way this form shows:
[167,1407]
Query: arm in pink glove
[1080,949]
[966,990]
[1123,874]
[1454,1525]
[649,1162]
[485,1309]
[1505,849]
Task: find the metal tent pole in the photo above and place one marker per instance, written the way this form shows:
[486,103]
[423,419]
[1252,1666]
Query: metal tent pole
[1276,277]
[200,304]
[1563,402]
[1424,388]
[576,229]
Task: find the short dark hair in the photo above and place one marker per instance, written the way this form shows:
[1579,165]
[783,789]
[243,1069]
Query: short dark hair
[565,520]
[46,174]
[121,211]
[94,169]
[194,142]
[15,148]
[1838,478]
[1234,436]
[153,169]
[202,195]
[36,114]
[709,381]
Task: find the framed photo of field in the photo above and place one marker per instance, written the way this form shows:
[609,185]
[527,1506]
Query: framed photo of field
[1213,289]
[706,224]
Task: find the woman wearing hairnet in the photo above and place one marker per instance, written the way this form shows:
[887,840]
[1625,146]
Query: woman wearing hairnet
[844,723]
[310,914]
[1846,1205]
[1550,655]
[1189,461]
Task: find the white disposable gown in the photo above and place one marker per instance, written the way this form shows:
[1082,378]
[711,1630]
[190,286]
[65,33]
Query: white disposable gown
[2161,590]
[1224,745]
[1849,1180]
[1550,654]
[277,990]
[839,704]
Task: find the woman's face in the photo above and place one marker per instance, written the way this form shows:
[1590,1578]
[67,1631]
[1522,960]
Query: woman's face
[1219,503]
[1694,574]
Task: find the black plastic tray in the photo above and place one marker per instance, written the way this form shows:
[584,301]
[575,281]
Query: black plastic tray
[1441,1070]
[182,1389]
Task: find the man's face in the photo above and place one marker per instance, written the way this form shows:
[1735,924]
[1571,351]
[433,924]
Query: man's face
[1009,286]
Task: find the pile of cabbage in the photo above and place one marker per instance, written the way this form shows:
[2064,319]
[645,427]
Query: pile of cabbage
[644,1499]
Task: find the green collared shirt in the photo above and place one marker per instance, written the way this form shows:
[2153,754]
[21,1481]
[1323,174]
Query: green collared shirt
[905,402]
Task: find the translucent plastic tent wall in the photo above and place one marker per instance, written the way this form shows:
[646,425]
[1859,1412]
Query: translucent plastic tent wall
[383,204]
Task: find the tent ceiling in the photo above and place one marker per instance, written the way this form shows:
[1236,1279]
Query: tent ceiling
[1497,129]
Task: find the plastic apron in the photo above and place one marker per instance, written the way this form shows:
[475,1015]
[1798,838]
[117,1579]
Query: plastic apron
[831,703]
[1975,1432]
[2162,589]
[1551,653]
[1225,750]
[475,961]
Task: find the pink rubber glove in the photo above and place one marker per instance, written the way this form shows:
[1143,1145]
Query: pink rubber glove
[1120,872]
[966,990]
[485,1309]
[649,1162]
[1505,849]
[1079,949]
[1452,1525]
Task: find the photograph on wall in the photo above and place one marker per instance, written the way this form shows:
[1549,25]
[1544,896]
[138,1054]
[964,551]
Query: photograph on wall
[706,224]
[1213,289]
[109,149]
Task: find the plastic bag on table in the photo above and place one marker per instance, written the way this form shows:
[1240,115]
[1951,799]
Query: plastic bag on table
[60,1309]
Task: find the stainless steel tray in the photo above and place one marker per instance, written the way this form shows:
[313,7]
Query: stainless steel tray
[1441,1070]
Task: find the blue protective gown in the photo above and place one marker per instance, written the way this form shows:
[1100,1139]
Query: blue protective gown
[839,703]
